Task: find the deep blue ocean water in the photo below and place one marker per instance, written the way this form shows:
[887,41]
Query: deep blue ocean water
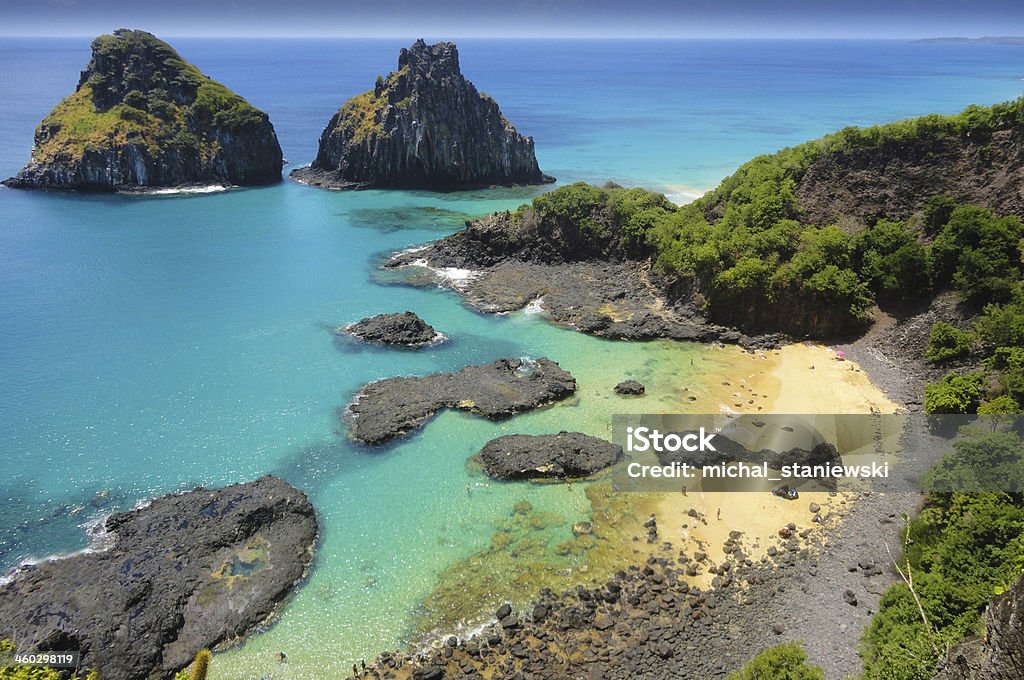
[149,344]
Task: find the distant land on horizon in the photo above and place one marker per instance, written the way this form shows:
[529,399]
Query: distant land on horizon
[985,40]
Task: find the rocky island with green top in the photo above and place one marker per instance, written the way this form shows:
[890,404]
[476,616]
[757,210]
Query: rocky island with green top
[142,117]
[425,126]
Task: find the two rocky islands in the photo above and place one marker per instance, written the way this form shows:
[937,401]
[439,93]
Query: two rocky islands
[142,118]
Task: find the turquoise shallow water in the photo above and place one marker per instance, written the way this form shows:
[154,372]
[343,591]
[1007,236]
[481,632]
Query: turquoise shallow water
[153,344]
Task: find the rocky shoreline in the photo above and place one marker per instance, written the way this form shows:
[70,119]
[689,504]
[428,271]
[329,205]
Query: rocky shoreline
[818,588]
[618,300]
[186,572]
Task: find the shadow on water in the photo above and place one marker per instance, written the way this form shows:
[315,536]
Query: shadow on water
[313,467]
[390,220]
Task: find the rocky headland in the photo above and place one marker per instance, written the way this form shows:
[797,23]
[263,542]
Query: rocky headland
[142,117]
[405,329]
[186,572]
[424,126]
[560,456]
[742,264]
[385,409]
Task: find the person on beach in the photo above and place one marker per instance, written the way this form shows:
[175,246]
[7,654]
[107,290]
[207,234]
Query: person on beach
[468,491]
[719,515]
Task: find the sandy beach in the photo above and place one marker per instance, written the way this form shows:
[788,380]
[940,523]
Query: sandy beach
[801,378]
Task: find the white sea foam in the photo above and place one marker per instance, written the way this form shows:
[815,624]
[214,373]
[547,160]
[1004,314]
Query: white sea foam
[452,276]
[99,540]
[174,191]
[535,306]
[683,195]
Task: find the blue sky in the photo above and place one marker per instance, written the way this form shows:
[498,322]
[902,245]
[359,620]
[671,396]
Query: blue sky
[521,18]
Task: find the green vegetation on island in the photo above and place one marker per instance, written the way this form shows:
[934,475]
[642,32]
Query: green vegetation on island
[154,104]
[143,116]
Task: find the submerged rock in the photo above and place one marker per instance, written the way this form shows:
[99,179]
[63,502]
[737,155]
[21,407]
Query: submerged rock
[405,329]
[424,126]
[388,408]
[143,117]
[566,454]
[184,573]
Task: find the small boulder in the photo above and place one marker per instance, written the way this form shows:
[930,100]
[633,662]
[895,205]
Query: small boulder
[582,529]
[405,329]
[630,387]
[567,454]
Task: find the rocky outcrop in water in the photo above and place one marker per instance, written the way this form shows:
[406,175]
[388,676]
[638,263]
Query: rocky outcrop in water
[630,387]
[184,573]
[388,408]
[425,127]
[1001,653]
[405,329]
[142,117]
[566,454]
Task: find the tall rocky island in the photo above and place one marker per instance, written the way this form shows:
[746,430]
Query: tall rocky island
[423,127]
[143,117]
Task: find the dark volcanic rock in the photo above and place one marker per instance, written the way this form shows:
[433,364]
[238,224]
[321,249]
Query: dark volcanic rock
[630,387]
[142,117]
[895,178]
[387,408]
[394,329]
[730,451]
[184,573]
[1001,653]
[424,126]
[566,454]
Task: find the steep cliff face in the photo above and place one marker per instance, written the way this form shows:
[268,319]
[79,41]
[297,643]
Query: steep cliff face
[858,175]
[424,126]
[1000,654]
[894,179]
[141,117]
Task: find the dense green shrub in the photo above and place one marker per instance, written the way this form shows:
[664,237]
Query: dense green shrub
[963,549]
[954,394]
[947,342]
[891,261]
[1002,325]
[979,254]
[980,460]
[782,662]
